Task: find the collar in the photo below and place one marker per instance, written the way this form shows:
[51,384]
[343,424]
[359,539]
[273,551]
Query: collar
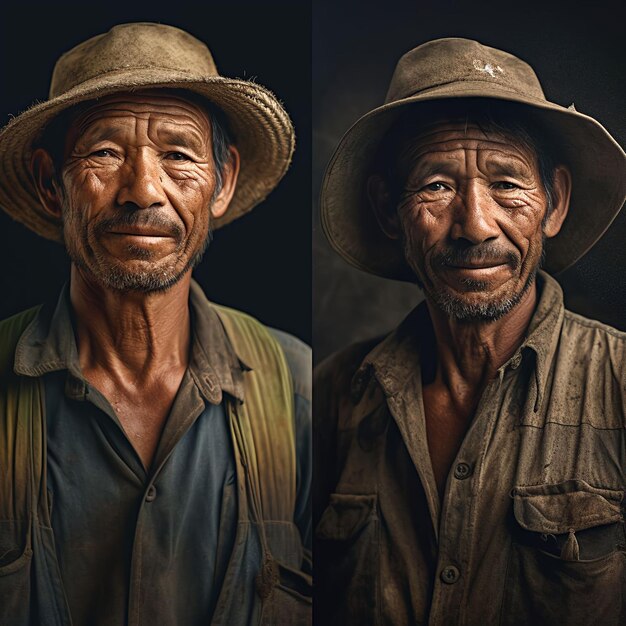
[48,344]
[396,358]
[543,334]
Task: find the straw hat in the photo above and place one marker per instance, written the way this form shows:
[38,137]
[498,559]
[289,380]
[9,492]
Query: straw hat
[139,56]
[462,68]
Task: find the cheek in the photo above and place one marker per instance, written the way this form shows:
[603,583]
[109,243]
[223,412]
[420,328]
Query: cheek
[424,223]
[523,223]
[190,193]
[86,192]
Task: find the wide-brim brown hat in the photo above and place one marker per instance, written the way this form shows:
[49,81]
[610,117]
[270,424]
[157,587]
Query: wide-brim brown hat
[143,56]
[455,68]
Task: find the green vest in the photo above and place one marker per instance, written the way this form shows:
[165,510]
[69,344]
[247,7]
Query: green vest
[262,431]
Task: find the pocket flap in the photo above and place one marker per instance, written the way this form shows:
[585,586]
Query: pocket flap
[570,505]
[345,515]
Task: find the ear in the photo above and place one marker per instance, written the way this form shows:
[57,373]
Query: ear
[229,182]
[380,200]
[561,192]
[44,175]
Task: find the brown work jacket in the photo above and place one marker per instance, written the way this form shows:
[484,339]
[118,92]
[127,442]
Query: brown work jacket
[530,529]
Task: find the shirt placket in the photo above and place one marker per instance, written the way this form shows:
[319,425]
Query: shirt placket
[452,519]
[457,526]
[152,506]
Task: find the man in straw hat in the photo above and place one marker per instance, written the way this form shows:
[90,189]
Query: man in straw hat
[473,459]
[154,464]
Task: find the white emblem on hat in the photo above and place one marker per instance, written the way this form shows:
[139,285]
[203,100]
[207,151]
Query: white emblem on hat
[487,68]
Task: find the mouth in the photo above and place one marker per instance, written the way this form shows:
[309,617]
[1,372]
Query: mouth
[481,271]
[478,265]
[139,232]
[140,236]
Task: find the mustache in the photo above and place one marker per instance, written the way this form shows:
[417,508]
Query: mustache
[459,254]
[141,219]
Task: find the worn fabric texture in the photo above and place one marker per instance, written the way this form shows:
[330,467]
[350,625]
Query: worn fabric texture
[195,539]
[530,529]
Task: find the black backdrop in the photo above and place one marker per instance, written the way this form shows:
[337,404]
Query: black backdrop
[261,263]
[578,50]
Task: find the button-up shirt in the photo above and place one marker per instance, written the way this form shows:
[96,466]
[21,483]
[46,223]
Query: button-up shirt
[530,527]
[137,545]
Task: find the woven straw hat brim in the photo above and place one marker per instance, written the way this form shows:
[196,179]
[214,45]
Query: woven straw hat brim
[262,131]
[596,161]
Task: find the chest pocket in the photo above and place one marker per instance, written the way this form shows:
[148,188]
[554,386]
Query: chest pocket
[15,566]
[568,561]
[346,561]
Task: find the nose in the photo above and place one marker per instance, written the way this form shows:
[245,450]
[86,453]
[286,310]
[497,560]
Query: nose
[140,182]
[474,215]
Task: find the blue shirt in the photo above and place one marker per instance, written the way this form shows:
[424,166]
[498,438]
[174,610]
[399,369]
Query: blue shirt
[150,546]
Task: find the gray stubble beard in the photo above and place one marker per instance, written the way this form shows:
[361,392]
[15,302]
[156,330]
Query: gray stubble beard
[455,308]
[118,279]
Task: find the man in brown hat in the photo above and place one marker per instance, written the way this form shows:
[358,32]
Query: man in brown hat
[471,463]
[155,447]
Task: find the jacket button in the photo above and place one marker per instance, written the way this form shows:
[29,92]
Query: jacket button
[151,494]
[462,471]
[450,574]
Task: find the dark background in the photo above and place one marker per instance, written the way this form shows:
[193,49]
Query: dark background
[261,263]
[579,53]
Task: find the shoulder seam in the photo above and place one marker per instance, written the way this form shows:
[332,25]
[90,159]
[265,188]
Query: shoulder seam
[593,324]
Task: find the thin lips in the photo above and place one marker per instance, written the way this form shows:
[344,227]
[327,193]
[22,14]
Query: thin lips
[478,266]
[141,232]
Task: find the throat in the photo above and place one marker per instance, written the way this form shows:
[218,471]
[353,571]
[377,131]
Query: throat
[141,410]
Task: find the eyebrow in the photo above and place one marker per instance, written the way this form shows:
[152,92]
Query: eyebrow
[508,167]
[189,140]
[425,168]
[95,133]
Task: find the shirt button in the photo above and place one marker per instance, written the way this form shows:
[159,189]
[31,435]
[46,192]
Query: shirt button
[450,574]
[515,362]
[462,471]
[151,493]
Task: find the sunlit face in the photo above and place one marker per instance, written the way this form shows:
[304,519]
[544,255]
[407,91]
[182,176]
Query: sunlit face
[471,215]
[138,181]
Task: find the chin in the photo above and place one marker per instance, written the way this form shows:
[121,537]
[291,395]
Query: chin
[140,282]
[479,303]
[132,276]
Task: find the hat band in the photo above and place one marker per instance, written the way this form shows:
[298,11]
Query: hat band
[495,87]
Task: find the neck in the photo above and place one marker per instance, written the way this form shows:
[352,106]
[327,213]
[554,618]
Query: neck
[130,335]
[468,354]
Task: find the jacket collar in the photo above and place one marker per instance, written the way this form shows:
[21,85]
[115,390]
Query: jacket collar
[48,344]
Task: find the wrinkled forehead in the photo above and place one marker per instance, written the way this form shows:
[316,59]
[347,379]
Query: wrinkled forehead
[160,105]
[450,137]
[448,131]
[164,112]
[511,126]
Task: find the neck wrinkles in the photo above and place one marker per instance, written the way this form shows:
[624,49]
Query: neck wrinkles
[134,333]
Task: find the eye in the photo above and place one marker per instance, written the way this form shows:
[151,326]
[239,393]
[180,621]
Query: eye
[434,187]
[505,185]
[102,153]
[177,156]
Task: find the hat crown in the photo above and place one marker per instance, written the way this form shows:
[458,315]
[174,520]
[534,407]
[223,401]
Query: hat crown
[454,60]
[126,47]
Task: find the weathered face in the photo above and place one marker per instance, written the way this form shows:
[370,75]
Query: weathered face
[471,217]
[138,182]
